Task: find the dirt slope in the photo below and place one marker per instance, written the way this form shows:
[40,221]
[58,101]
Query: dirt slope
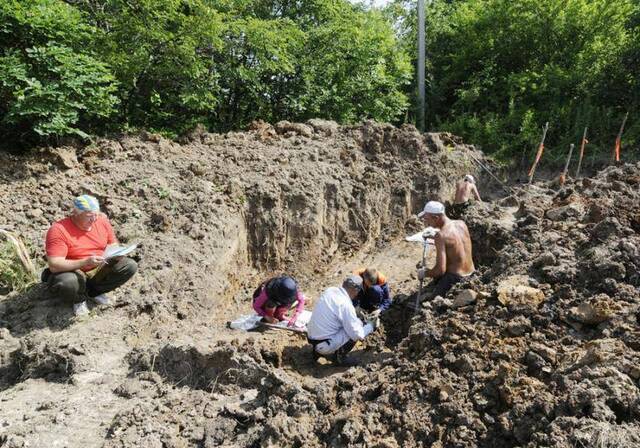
[539,349]
[214,214]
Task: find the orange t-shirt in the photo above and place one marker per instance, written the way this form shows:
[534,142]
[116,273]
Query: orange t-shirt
[65,239]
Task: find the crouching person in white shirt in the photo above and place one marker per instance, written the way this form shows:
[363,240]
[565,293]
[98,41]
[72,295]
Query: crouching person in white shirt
[334,327]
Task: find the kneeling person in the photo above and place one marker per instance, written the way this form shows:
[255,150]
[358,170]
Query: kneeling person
[374,296]
[75,247]
[274,297]
[334,327]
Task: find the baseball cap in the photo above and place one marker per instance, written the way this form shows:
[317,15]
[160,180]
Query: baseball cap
[432,208]
[288,288]
[469,178]
[352,281]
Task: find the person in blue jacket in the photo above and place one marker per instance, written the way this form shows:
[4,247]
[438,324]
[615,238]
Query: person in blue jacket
[374,296]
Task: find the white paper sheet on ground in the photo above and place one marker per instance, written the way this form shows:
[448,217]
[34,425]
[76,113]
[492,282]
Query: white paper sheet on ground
[417,238]
[119,251]
[251,321]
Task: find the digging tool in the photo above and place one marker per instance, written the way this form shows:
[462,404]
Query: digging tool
[563,176]
[582,145]
[616,150]
[425,251]
[280,327]
[509,189]
[532,171]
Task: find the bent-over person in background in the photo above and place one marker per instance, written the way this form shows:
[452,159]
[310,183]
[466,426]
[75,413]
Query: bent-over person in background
[466,190]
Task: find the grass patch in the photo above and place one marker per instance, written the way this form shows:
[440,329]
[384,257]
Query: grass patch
[17,270]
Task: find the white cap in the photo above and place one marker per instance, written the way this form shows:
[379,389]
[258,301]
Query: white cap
[432,208]
[469,178]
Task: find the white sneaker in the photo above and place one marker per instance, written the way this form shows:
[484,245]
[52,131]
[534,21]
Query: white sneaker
[101,299]
[80,309]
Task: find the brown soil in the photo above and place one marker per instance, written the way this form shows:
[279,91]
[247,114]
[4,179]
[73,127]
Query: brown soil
[543,352]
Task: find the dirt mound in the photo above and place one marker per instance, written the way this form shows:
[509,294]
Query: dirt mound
[540,348]
[543,354]
[214,214]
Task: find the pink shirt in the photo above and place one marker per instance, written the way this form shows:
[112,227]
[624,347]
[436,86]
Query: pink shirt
[258,305]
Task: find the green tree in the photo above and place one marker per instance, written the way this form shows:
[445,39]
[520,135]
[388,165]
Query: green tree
[499,69]
[162,53]
[49,85]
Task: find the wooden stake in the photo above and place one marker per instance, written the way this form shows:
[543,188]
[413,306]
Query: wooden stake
[563,176]
[582,145]
[566,165]
[616,149]
[532,171]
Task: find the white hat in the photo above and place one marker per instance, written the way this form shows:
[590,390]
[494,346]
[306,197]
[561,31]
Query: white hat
[469,178]
[432,208]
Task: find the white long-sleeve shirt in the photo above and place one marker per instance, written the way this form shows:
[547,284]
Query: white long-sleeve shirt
[334,315]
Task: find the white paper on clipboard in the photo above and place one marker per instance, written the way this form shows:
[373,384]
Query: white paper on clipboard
[118,251]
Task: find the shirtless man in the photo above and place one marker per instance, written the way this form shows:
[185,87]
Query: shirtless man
[465,189]
[453,249]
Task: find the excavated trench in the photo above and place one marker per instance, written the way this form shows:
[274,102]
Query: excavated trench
[288,231]
[213,216]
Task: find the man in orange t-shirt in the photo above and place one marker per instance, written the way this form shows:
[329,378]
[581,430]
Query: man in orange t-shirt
[75,246]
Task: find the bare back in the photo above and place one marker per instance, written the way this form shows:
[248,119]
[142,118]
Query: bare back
[458,248]
[464,192]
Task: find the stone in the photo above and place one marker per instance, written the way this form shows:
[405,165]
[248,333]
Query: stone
[535,362]
[515,293]
[597,310]
[549,354]
[326,127]
[197,169]
[563,213]
[285,127]
[519,326]
[440,302]
[65,157]
[464,298]
[546,259]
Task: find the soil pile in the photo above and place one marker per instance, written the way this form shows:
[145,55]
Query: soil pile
[540,348]
[214,214]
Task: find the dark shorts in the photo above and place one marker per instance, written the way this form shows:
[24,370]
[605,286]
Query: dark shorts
[456,211]
[443,284]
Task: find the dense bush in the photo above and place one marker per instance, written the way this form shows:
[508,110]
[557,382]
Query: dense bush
[499,69]
[90,65]
[50,84]
[496,69]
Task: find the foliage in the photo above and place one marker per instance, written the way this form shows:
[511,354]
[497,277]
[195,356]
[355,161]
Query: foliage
[499,69]
[92,65]
[48,85]
[14,276]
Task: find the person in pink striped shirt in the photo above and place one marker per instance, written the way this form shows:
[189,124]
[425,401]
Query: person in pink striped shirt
[275,297]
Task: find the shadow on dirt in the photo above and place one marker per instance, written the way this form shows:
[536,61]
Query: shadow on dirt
[300,360]
[33,310]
